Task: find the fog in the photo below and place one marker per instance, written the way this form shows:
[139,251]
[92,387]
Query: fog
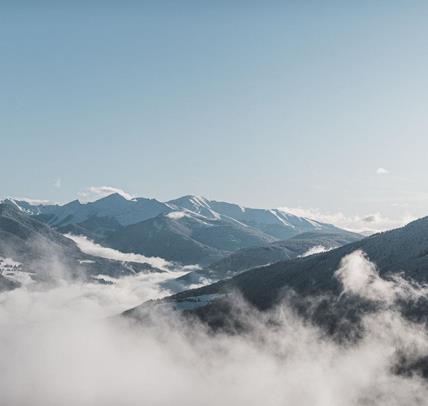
[59,346]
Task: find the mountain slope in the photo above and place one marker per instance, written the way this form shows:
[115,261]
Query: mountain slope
[186,237]
[114,206]
[43,251]
[401,250]
[274,222]
[190,229]
[248,258]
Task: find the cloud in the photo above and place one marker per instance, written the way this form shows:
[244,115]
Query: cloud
[60,340]
[318,249]
[92,248]
[359,276]
[369,223]
[58,183]
[381,171]
[93,193]
[34,202]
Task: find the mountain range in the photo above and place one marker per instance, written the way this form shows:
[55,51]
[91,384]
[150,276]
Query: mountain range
[399,253]
[262,254]
[187,230]
[39,250]
[245,259]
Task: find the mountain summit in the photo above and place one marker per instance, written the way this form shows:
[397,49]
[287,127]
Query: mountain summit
[189,230]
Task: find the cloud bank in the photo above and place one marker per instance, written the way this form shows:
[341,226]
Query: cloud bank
[59,346]
[92,248]
[370,223]
[360,277]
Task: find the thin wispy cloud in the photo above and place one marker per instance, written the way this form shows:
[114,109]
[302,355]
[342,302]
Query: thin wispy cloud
[97,192]
[367,223]
[382,171]
[58,183]
[66,331]
[34,202]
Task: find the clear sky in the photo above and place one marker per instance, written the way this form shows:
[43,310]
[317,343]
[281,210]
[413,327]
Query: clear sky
[310,104]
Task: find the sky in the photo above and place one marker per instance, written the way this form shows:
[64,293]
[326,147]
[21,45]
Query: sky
[319,107]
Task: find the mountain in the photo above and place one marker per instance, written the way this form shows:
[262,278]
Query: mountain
[186,237]
[404,251]
[96,228]
[247,258]
[274,222]
[40,250]
[113,210]
[200,231]
[190,229]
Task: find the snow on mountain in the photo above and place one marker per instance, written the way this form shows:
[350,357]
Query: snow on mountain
[195,204]
[188,230]
[132,211]
[115,206]
[274,222]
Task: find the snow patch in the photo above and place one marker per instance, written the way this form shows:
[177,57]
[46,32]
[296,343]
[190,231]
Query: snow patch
[281,219]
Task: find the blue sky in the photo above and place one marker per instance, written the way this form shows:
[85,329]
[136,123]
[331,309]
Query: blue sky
[267,104]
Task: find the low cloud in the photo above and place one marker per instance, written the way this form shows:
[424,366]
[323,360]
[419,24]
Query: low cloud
[360,277]
[60,347]
[382,171]
[34,202]
[318,249]
[93,193]
[92,248]
[370,223]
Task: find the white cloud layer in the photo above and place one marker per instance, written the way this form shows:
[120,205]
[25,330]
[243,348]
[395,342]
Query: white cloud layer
[370,223]
[360,277]
[382,171]
[318,249]
[34,202]
[59,347]
[92,248]
[93,193]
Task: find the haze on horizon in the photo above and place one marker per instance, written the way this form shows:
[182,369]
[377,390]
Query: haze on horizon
[294,104]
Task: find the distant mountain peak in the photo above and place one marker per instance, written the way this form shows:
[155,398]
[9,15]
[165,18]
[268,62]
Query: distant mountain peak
[114,197]
[196,204]
[193,199]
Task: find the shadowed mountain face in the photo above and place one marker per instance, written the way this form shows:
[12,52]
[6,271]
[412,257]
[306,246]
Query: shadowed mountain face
[403,250]
[189,239]
[299,245]
[247,258]
[189,230]
[38,249]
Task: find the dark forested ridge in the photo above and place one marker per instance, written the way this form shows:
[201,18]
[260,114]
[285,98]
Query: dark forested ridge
[404,250]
